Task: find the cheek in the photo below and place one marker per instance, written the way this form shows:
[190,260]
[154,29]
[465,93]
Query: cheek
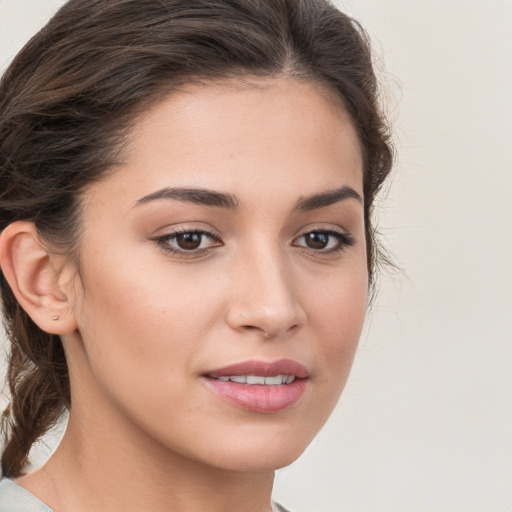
[337,316]
[149,322]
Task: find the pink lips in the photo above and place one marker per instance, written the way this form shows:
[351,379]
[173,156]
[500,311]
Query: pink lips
[256,397]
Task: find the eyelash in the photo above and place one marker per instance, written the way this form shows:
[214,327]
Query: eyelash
[163,242]
[344,240]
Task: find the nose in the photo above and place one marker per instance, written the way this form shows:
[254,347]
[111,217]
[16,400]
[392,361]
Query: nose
[264,298]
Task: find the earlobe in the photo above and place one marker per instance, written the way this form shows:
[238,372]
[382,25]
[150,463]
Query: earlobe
[32,272]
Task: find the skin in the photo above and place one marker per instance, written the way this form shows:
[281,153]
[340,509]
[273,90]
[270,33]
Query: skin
[141,324]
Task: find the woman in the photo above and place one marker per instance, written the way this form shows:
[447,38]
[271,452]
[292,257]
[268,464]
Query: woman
[186,247]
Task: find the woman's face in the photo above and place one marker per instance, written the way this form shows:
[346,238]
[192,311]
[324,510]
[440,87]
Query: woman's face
[228,248]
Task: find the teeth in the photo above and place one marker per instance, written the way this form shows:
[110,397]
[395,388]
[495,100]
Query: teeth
[251,379]
[259,380]
[278,379]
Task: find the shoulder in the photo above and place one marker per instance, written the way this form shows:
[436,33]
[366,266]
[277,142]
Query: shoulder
[14,498]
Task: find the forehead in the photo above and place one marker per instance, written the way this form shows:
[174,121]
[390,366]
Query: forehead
[279,133]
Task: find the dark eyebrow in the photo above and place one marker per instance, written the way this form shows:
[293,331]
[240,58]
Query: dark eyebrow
[193,195]
[327,199]
[207,197]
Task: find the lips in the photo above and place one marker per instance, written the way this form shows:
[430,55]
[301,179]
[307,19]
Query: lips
[259,386]
[263,368]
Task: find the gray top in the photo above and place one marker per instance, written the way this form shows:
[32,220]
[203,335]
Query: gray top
[14,498]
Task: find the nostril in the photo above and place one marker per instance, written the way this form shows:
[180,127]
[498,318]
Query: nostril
[256,328]
[268,333]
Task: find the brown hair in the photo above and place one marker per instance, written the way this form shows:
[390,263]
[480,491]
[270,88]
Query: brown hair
[69,96]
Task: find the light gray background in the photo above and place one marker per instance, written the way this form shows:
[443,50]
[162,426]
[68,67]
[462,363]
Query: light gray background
[425,423]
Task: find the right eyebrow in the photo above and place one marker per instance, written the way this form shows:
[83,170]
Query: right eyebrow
[199,196]
[324,199]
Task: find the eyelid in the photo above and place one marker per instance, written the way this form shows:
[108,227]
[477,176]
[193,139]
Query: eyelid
[345,239]
[162,241]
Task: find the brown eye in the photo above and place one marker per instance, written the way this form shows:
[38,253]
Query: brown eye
[189,241]
[317,240]
[325,241]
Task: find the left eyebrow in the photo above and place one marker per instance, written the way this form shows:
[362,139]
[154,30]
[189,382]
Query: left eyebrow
[328,198]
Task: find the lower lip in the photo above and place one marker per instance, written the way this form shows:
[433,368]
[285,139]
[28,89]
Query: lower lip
[258,398]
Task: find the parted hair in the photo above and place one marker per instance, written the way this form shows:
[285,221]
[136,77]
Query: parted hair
[72,93]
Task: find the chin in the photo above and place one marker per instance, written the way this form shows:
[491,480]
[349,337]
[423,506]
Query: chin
[259,461]
[260,451]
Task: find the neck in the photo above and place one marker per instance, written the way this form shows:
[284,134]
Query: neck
[94,470]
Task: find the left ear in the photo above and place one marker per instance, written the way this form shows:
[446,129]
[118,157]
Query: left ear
[35,276]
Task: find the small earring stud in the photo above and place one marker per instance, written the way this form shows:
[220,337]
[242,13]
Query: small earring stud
[55,317]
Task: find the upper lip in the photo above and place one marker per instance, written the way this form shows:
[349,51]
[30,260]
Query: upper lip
[262,368]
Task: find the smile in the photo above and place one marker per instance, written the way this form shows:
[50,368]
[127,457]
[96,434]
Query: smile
[259,386]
